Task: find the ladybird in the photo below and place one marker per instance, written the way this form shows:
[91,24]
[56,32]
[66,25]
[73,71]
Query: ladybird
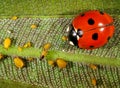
[19,62]
[91,29]
[7,43]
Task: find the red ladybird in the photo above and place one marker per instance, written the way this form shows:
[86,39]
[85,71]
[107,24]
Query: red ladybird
[91,29]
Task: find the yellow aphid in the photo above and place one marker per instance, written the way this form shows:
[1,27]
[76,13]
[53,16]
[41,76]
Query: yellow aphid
[19,48]
[19,62]
[28,44]
[30,59]
[94,67]
[94,82]
[51,63]
[43,54]
[14,18]
[61,63]
[7,43]
[47,46]
[1,56]
[34,26]
[64,38]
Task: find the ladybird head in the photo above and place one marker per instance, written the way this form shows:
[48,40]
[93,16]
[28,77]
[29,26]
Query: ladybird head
[74,35]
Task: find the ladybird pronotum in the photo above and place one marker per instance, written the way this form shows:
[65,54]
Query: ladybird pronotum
[61,63]
[19,62]
[7,43]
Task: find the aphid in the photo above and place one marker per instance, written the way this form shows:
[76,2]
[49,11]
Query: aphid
[94,82]
[47,46]
[51,63]
[19,62]
[61,63]
[34,26]
[14,18]
[64,38]
[44,53]
[7,43]
[28,44]
[19,48]
[30,59]
[1,56]
[94,67]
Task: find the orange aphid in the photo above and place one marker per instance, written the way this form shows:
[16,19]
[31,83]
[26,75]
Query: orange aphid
[33,26]
[1,56]
[51,63]
[28,44]
[7,43]
[19,62]
[64,38]
[46,46]
[61,63]
[94,82]
[94,67]
[19,48]
[14,18]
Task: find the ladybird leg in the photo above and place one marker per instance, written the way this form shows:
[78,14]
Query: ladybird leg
[71,43]
[68,29]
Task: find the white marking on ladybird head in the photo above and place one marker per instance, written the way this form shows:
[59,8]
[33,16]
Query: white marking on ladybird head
[71,43]
[78,37]
[75,30]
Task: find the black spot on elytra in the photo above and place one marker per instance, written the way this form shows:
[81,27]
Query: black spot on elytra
[108,38]
[95,36]
[102,13]
[91,21]
[91,46]
[82,15]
